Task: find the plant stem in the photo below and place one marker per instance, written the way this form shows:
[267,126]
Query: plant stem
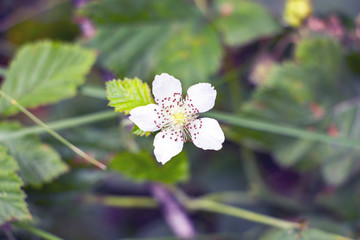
[62,124]
[93,91]
[114,201]
[53,133]
[212,206]
[37,231]
[199,204]
[231,197]
[281,130]
[195,205]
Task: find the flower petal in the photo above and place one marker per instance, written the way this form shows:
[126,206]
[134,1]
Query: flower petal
[147,118]
[202,96]
[207,134]
[166,146]
[165,86]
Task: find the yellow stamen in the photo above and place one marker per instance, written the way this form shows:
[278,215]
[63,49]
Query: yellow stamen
[179,118]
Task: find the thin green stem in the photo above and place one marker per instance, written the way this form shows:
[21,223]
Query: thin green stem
[38,232]
[62,124]
[93,91]
[115,201]
[53,133]
[199,204]
[192,204]
[212,206]
[231,197]
[281,130]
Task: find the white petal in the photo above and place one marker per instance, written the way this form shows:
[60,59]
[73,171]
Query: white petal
[165,86]
[166,146]
[207,134]
[147,118]
[202,96]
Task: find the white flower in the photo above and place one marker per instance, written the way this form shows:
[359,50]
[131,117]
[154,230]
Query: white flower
[178,117]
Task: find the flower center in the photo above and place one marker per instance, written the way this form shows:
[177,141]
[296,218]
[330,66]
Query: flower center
[177,114]
[179,119]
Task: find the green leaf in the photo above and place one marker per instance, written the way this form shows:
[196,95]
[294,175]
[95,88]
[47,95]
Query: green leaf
[143,11]
[12,198]
[323,53]
[130,50]
[130,36]
[341,163]
[242,21]
[139,39]
[304,94]
[142,166]
[193,57]
[38,163]
[137,131]
[343,201]
[45,72]
[125,95]
[308,234]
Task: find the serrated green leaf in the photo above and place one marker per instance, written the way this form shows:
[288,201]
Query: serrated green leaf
[38,163]
[125,95]
[193,57]
[137,131]
[12,198]
[45,72]
[142,166]
[242,21]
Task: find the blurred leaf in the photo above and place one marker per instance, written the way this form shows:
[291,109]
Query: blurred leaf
[193,57]
[303,94]
[125,95]
[45,72]
[142,166]
[324,54]
[139,39]
[343,201]
[130,36]
[340,163]
[130,50]
[38,163]
[308,234]
[12,198]
[242,21]
[140,11]
[353,61]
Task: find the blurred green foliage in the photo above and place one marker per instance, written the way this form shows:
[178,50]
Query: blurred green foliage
[305,76]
